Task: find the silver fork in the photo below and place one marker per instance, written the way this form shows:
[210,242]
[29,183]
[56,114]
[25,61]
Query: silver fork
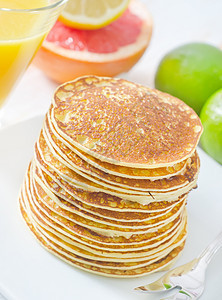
[188,278]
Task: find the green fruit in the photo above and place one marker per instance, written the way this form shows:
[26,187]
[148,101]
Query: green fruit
[211,117]
[192,72]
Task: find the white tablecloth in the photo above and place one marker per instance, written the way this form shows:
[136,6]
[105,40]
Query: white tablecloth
[175,22]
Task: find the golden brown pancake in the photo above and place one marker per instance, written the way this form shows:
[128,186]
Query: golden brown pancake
[45,196]
[76,229]
[107,187]
[89,163]
[108,255]
[100,227]
[78,206]
[79,182]
[58,251]
[56,162]
[101,200]
[118,122]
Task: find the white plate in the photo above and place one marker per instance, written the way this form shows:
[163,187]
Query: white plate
[29,272]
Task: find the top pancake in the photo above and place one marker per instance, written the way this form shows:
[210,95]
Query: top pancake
[124,123]
[71,154]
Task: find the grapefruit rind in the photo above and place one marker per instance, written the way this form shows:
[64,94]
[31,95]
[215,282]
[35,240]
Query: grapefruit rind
[63,65]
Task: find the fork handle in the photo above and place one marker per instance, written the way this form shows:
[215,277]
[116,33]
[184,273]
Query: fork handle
[212,248]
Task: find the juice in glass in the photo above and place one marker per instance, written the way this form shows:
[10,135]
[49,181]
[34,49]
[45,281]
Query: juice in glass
[21,34]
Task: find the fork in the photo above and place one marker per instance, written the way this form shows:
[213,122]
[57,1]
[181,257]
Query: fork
[188,278]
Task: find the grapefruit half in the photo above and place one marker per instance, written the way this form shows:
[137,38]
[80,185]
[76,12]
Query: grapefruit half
[68,53]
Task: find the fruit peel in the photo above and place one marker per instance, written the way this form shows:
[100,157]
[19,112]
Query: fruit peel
[211,118]
[191,72]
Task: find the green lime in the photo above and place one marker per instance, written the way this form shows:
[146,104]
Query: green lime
[192,72]
[211,117]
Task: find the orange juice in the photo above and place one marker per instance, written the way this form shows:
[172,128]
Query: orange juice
[21,34]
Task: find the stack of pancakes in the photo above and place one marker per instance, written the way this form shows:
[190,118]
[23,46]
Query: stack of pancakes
[107,187]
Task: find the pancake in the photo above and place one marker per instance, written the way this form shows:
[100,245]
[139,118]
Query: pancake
[76,205]
[142,254]
[156,266]
[118,121]
[76,229]
[89,238]
[52,159]
[100,227]
[45,196]
[136,255]
[85,162]
[95,247]
[101,200]
[79,183]
[107,187]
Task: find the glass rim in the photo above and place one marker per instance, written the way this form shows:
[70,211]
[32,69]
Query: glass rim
[37,9]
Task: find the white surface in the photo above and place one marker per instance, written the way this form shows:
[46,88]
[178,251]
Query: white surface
[29,272]
[175,22]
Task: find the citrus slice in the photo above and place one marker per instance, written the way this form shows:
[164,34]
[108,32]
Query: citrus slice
[68,53]
[91,14]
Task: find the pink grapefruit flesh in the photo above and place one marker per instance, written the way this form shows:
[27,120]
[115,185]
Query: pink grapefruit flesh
[68,53]
[121,32]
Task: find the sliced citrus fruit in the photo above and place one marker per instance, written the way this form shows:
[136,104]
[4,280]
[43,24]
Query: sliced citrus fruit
[68,53]
[92,14]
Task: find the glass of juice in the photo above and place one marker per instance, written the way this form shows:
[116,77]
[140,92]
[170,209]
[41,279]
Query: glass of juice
[23,26]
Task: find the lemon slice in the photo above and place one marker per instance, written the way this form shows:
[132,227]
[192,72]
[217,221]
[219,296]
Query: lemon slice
[92,14]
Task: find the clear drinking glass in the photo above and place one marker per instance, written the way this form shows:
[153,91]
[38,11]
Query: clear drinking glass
[23,26]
